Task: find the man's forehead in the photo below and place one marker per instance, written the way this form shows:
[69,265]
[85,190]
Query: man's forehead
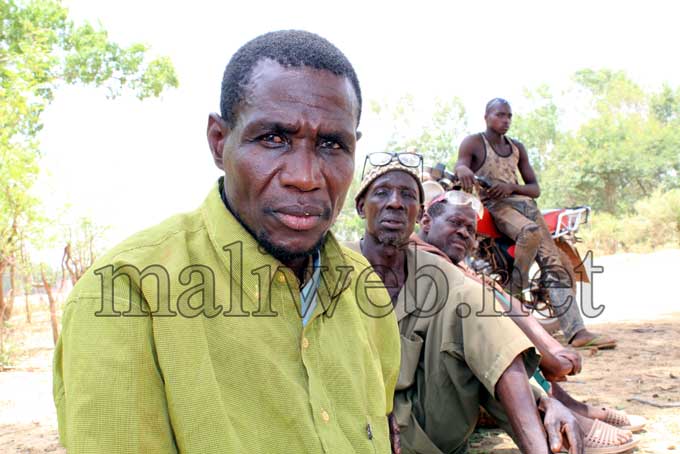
[397,178]
[500,107]
[460,210]
[269,76]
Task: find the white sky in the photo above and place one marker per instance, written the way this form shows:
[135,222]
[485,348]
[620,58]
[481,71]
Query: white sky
[130,164]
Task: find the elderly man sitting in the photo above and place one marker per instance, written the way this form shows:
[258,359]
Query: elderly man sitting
[448,229]
[452,360]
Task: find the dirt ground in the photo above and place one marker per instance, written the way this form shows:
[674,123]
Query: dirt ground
[645,365]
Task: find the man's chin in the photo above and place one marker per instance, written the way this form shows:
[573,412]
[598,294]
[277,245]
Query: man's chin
[455,254]
[392,239]
[285,253]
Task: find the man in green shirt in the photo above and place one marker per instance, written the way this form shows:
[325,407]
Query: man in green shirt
[456,353]
[241,327]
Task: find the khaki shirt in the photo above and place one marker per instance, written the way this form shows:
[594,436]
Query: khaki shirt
[454,350]
[211,355]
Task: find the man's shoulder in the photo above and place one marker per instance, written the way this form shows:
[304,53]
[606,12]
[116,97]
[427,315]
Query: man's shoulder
[516,142]
[171,232]
[433,264]
[473,139]
[351,250]
[164,245]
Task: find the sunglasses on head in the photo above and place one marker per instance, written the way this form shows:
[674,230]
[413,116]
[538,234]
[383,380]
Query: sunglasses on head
[383,158]
[461,198]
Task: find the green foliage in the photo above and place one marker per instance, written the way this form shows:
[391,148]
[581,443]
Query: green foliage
[436,139]
[538,128]
[349,226]
[40,50]
[627,149]
[655,224]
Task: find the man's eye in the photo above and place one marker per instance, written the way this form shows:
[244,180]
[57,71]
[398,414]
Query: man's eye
[408,195]
[272,139]
[330,145]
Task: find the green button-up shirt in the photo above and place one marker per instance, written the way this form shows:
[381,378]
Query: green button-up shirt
[187,338]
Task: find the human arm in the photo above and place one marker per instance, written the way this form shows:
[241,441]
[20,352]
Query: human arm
[514,394]
[463,169]
[556,361]
[108,391]
[530,188]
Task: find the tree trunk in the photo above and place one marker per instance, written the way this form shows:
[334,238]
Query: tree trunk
[3,265]
[9,305]
[27,292]
[53,306]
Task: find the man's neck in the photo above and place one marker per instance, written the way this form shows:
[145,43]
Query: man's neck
[383,257]
[493,137]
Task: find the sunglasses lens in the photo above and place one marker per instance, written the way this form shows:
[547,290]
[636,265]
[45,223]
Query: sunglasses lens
[463,198]
[409,159]
[379,158]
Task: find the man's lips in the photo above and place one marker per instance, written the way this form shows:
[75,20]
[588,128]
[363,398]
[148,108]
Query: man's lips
[458,243]
[393,223]
[301,217]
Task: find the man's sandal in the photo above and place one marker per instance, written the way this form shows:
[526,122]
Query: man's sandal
[600,342]
[603,439]
[624,421]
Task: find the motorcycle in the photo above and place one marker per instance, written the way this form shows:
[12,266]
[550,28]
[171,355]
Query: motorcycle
[495,253]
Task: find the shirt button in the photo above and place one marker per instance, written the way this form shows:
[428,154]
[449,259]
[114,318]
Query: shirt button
[325,416]
[305,343]
[281,278]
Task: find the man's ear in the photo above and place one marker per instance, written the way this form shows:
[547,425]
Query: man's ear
[359,134]
[360,208]
[425,223]
[217,133]
[421,212]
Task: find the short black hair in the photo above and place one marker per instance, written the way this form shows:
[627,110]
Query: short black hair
[491,104]
[436,208]
[290,48]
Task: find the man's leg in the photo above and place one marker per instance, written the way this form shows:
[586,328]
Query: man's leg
[527,237]
[560,285]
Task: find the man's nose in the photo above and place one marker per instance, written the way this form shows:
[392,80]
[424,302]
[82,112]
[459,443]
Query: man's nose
[463,231]
[302,167]
[395,200]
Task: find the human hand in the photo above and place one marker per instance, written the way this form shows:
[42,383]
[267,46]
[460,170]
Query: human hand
[500,190]
[557,365]
[466,177]
[395,442]
[561,426]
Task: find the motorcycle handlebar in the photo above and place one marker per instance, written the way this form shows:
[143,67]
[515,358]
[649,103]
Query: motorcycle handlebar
[440,173]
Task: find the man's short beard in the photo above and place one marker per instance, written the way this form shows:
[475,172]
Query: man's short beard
[281,254]
[389,239]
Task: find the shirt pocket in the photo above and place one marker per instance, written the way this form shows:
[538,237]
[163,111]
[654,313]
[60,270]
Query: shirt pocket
[411,349]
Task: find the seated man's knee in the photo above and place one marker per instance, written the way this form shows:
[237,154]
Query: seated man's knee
[530,234]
